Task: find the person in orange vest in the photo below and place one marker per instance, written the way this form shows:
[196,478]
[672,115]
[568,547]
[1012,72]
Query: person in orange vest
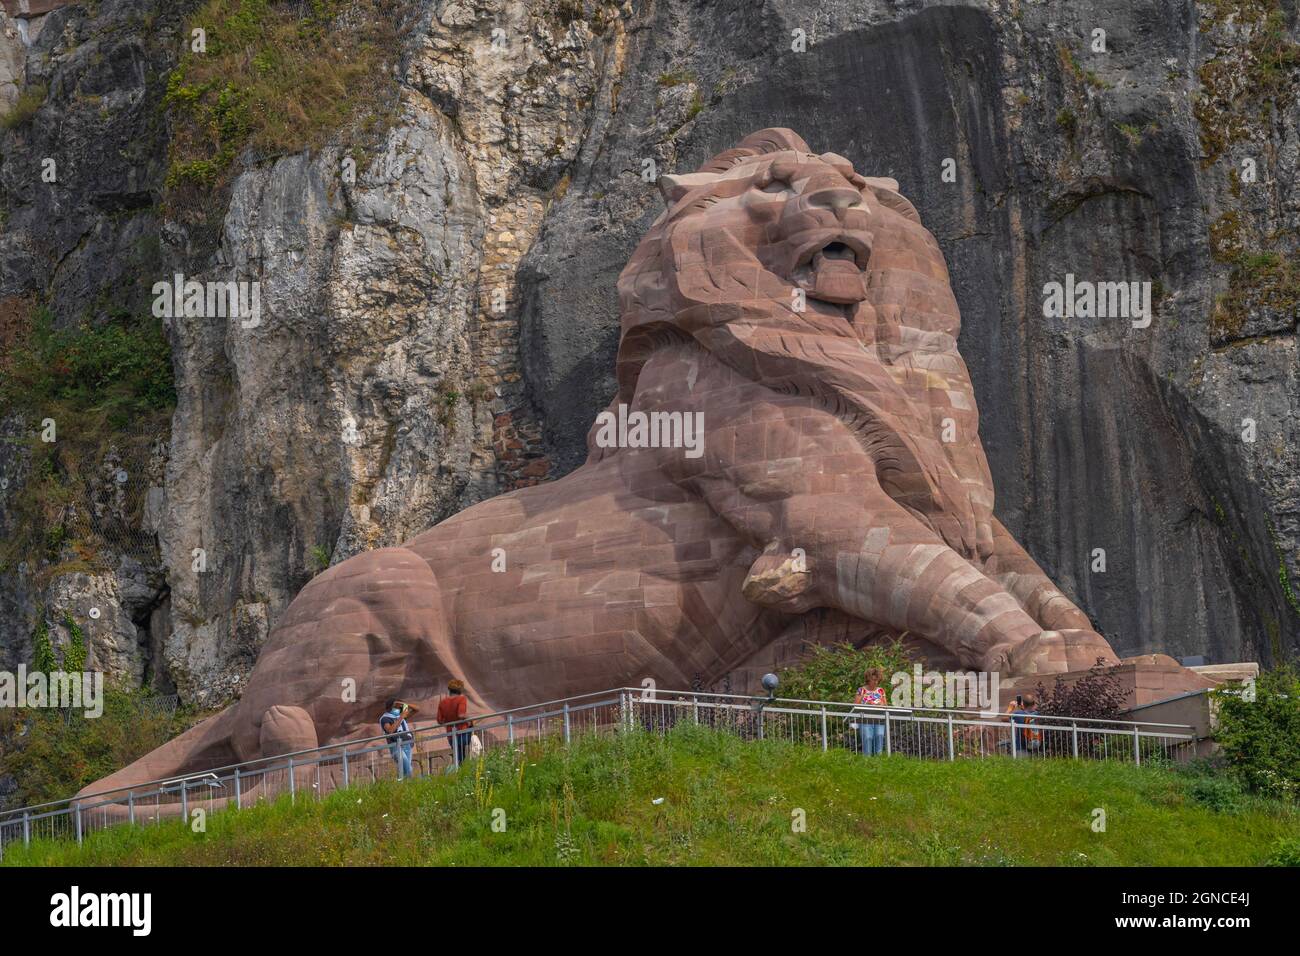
[1029,739]
[451,711]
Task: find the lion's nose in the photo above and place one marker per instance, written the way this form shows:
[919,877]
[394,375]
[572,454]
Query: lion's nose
[837,198]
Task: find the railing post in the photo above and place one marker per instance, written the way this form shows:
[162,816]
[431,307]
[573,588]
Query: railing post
[889,747]
[1074,738]
[346,777]
[695,709]
[27,828]
[1011,722]
[1137,746]
[239,796]
[825,739]
[510,729]
[567,732]
[292,788]
[185,802]
[952,751]
[130,807]
[77,815]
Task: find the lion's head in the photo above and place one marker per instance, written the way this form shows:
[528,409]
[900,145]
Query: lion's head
[797,271]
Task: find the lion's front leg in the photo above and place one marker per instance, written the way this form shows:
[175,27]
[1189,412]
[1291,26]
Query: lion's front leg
[907,578]
[876,561]
[866,555]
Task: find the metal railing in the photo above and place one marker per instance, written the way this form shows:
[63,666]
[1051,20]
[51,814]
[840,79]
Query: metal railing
[312,774]
[932,733]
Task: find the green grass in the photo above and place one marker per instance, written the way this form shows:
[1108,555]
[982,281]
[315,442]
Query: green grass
[727,802]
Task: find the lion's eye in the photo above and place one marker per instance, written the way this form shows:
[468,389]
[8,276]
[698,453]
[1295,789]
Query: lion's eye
[774,185]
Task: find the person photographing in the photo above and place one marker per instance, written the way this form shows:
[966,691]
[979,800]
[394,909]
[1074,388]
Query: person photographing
[400,739]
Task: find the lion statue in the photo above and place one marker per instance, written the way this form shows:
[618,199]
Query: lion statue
[802,315]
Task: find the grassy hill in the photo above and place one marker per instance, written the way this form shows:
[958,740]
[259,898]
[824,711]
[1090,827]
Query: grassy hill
[725,801]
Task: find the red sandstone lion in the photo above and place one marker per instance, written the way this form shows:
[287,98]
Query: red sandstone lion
[807,314]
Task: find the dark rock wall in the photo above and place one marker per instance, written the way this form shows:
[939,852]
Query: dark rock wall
[525,173]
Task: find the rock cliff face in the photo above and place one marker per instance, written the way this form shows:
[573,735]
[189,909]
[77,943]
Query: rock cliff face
[442,325]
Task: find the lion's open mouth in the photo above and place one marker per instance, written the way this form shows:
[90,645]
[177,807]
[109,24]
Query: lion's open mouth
[832,270]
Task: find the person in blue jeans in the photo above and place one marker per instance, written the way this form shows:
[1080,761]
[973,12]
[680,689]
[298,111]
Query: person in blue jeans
[400,739]
[871,733]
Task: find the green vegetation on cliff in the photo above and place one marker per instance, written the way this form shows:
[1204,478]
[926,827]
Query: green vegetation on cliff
[31,99]
[93,399]
[1255,67]
[698,797]
[1254,71]
[277,78]
[51,754]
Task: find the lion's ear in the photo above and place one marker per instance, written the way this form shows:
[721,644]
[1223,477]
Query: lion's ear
[675,187]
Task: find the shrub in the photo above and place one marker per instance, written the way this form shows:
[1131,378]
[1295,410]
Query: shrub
[51,754]
[1223,794]
[1098,695]
[1260,738]
[29,101]
[74,658]
[43,659]
[835,671]
[319,557]
[1286,852]
[122,367]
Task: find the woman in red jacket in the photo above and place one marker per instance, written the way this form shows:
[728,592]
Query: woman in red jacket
[452,710]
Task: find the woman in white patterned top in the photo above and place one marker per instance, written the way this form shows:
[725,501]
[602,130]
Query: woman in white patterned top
[871,726]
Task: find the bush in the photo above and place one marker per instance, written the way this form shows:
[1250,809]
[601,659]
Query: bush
[1260,738]
[1286,852]
[29,101]
[51,754]
[835,671]
[122,367]
[1098,695]
[1223,794]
